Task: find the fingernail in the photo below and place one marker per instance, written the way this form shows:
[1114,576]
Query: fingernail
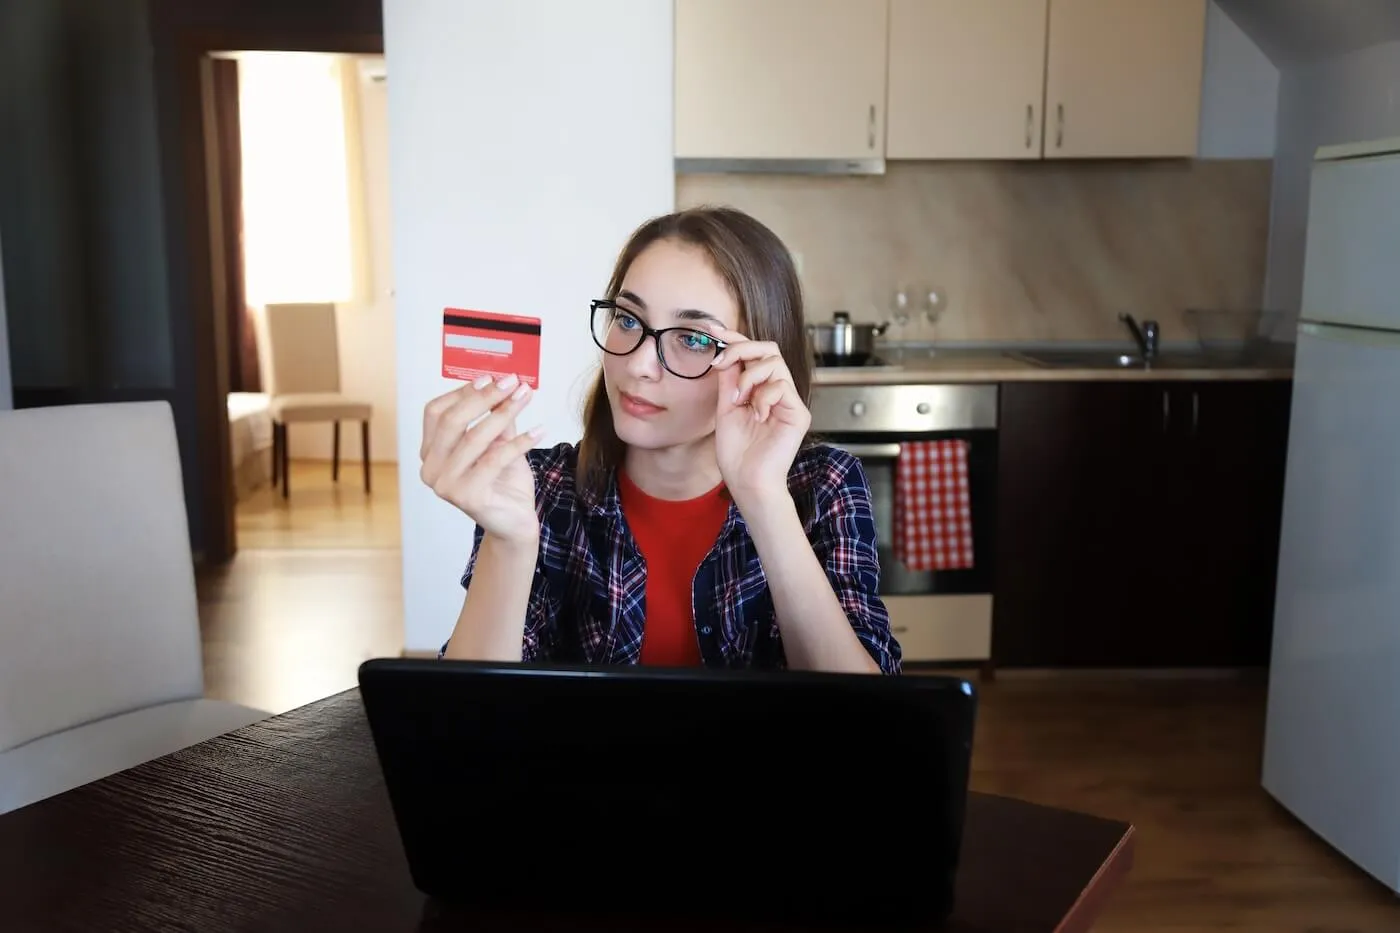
[520,393]
[736,396]
[537,431]
[507,382]
[481,382]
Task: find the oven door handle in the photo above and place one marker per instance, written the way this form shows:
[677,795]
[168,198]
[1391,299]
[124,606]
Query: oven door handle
[873,451]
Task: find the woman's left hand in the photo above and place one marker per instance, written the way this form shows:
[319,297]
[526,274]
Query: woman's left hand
[760,420]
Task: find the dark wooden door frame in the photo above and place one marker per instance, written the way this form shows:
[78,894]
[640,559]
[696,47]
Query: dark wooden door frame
[182,36]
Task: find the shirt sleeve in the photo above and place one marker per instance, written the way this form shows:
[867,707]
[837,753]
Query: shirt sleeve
[537,642]
[844,540]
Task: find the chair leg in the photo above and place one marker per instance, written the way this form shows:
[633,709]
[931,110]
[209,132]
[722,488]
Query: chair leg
[364,450]
[286,464]
[335,454]
[276,452]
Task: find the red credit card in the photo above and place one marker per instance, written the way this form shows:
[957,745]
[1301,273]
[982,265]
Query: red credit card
[477,343]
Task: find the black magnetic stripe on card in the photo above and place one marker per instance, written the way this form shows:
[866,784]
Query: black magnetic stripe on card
[486,323]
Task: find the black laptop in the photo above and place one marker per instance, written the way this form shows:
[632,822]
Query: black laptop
[750,795]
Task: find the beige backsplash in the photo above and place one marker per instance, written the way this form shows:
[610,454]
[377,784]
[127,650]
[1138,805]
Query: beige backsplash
[1037,251]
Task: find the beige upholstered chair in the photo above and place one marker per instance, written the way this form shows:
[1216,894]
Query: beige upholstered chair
[100,660]
[304,378]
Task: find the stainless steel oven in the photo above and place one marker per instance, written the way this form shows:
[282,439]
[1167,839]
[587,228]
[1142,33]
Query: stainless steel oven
[944,615]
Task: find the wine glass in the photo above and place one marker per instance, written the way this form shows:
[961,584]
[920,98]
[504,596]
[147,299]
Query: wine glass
[934,302]
[900,301]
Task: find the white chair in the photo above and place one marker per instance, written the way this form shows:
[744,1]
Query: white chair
[303,359]
[100,660]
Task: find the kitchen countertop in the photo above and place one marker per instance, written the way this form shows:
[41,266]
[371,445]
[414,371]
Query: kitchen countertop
[958,364]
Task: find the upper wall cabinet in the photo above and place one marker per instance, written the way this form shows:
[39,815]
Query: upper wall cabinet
[967,79]
[781,79]
[1123,79]
[1017,79]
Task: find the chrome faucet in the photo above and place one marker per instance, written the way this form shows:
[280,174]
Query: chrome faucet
[1146,335]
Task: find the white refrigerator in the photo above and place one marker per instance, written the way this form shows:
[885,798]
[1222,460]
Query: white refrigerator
[1332,739]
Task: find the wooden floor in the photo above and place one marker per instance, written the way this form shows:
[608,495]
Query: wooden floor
[320,513]
[287,626]
[316,588]
[289,623]
[1181,761]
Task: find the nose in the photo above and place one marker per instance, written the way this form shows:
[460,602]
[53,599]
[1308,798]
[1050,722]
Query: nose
[642,362]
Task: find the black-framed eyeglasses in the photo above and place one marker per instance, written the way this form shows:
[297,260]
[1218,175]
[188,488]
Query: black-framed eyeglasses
[683,351]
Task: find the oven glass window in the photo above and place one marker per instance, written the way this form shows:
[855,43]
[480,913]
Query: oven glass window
[896,579]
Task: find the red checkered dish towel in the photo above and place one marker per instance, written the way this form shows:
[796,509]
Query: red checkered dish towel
[932,508]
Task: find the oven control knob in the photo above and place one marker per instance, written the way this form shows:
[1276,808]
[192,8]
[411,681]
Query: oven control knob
[925,408]
[857,409]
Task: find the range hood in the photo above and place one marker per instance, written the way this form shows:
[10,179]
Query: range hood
[728,166]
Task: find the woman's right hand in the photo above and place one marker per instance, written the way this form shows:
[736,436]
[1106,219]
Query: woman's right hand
[473,458]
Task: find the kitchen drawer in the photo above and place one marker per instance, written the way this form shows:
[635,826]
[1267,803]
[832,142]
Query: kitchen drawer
[942,628]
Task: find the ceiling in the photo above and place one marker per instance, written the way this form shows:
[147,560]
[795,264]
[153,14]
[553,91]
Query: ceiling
[1294,31]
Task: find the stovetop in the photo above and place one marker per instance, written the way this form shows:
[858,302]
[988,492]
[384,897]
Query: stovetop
[875,362]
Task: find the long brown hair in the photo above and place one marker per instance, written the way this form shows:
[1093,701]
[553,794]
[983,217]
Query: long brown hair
[761,277]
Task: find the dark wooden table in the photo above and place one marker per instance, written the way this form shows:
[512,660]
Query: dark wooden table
[286,825]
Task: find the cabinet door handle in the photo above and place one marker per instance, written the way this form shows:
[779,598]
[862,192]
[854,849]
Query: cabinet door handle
[1166,409]
[1059,125]
[1195,411]
[871,129]
[1030,123]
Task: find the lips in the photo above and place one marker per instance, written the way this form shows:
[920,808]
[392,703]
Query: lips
[639,406]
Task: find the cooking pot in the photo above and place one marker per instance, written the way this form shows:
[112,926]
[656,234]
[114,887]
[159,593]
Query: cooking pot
[841,343]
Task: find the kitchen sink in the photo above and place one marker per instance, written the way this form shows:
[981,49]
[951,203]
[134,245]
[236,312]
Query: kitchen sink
[1110,359]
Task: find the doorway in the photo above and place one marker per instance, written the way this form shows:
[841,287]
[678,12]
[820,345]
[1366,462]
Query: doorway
[282,625]
[184,38]
[303,185]
[297,155]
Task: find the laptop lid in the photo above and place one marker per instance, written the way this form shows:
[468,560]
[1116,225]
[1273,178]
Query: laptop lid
[791,795]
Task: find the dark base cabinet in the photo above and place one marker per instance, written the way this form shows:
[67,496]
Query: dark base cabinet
[1138,522]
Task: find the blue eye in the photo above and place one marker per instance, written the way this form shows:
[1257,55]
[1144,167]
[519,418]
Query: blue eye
[626,320]
[698,342]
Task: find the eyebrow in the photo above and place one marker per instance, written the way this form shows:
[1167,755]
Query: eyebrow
[685,314]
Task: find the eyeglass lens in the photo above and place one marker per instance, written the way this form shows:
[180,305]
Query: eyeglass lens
[685,352]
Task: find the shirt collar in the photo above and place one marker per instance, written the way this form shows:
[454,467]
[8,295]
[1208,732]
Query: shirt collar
[608,504]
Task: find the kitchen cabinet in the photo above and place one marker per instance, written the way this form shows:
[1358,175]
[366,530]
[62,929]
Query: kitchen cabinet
[1078,511]
[1019,79]
[780,79]
[1124,79]
[966,79]
[1226,447]
[1138,523]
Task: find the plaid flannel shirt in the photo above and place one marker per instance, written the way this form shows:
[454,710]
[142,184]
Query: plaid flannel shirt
[587,601]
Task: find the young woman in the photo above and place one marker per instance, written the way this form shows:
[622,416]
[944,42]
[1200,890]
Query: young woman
[695,522]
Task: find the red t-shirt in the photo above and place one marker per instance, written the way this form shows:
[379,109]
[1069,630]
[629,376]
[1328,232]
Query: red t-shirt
[674,537]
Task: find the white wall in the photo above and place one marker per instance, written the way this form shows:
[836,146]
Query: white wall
[365,326]
[1239,98]
[1292,32]
[1343,99]
[527,139]
[365,322]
